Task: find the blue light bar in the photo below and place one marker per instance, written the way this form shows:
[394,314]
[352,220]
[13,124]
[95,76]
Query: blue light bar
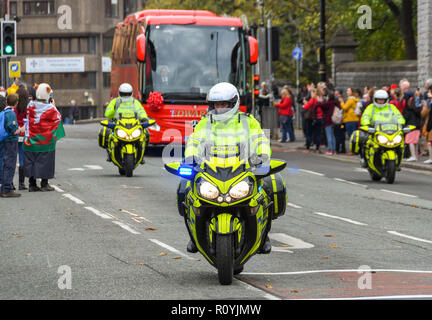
[185,171]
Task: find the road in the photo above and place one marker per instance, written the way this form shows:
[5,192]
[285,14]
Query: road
[102,236]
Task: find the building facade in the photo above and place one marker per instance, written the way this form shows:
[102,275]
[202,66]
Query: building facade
[67,43]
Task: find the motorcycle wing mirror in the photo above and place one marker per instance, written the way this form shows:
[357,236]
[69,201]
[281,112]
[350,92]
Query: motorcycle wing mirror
[371,130]
[277,166]
[409,129]
[104,123]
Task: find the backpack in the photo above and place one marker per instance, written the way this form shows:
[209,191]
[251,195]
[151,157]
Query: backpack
[337,115]
[3,133]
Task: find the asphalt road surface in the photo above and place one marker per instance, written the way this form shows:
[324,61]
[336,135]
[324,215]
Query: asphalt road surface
[103,236]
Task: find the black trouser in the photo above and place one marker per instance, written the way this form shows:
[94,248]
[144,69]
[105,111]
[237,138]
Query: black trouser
[10,151]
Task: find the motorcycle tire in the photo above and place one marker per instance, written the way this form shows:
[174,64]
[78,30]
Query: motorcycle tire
[390,171]
[238,270]
[225,258]
[122,172]
[129,164]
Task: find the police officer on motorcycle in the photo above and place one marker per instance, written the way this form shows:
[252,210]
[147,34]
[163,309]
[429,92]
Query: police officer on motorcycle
[380,111]
[225,124]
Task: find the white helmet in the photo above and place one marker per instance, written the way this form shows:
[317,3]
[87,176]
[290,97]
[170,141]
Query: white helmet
[381,95]
[223,92]
[125,91]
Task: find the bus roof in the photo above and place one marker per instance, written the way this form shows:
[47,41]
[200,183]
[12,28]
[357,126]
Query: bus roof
[198,17]
[138,16]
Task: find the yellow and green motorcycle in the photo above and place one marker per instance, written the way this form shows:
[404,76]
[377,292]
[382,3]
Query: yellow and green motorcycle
[125,140]
[383,150]
[228,208]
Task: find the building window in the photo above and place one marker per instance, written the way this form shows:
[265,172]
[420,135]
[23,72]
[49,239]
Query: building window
[130,6]
[38,8]
[107,80]
[111,8]
[59,81]
[47,46]
[13,7]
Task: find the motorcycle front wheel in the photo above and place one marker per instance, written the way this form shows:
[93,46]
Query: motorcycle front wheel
[374,176]
[129,164]
[390,171]
[225,258]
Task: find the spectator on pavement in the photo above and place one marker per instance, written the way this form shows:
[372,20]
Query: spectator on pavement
[2,106]
[314,120]
[350,119]
[427,125]
[21,114]
[286,114]
[413,118]
[328,109]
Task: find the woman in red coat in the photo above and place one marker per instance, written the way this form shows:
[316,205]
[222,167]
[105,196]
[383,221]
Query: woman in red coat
[286,114]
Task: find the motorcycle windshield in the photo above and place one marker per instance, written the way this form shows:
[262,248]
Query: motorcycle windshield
[388,125]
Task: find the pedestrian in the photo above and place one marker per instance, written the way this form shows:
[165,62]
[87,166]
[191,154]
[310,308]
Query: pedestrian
[14,87]
[397,99]
[339,128]
[263,99]
[10,148]
[412,116]
[328,110]
[427,125]
[314,120]
[286,114]
[44,130]
[21,114]
[350,118]
[73,111]
[2,107]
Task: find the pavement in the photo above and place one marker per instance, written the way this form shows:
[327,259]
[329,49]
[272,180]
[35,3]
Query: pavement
[299,146]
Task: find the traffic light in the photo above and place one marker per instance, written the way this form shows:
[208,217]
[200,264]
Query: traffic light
[8,39]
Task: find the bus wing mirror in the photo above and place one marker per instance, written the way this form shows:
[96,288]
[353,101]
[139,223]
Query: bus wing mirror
[253,50]
[141,47]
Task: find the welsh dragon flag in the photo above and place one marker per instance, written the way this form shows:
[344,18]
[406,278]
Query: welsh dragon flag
[44,128]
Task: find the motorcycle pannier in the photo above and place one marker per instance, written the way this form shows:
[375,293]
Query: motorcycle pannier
[357,140]
[104,133]
[276,190]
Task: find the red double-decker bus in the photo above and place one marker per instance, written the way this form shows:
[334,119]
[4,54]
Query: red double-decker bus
[181,54]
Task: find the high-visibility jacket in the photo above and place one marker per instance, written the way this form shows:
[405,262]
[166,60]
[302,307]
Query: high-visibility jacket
[126,108]
[387,114]
[241,129]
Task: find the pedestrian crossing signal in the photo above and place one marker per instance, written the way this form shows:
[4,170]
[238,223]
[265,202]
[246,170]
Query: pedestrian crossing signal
[8,39]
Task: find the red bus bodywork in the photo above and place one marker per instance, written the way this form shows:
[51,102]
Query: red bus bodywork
[173,120]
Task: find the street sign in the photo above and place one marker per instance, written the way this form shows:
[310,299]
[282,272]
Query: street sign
[14,69]
[297,53]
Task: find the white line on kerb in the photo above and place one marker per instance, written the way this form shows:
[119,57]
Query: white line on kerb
[76,169]
[93,167]
[98,213]
[340,218]
[290,273]
[174,250]
[409,237]
[126,227]
[399,193]
[74,199]
[312,172]
[57,188]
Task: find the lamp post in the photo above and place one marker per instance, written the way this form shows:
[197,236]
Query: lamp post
[323,63]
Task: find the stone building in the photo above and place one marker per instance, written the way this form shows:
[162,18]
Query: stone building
[67,43]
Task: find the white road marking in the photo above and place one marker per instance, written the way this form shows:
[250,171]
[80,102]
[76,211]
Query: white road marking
[350,182]
[265,295]
[399,193]
[126,227]
[421,296]
[293,205]
[93,167]
[312,172]
[409,237]
[57,188]
[74,199]
[360,170]
[76,169]
[290,273]
[98,213]
[288,240]
[174,250]
[340,218]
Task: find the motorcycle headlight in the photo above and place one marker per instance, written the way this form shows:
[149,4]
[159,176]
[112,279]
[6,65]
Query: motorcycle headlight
[382,139]
[209,191]
[397,139]
[240,190]
[121,134]
[136,133]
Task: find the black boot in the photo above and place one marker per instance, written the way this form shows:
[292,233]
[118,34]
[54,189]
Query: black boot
[21,178]
[32,185]
[45,187]
[191,247]
[266,246]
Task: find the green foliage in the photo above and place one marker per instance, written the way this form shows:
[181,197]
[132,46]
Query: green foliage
[299,22]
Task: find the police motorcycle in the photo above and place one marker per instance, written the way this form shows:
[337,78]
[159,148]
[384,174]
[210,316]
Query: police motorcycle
[125,140]
[229,205]
[381,148]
